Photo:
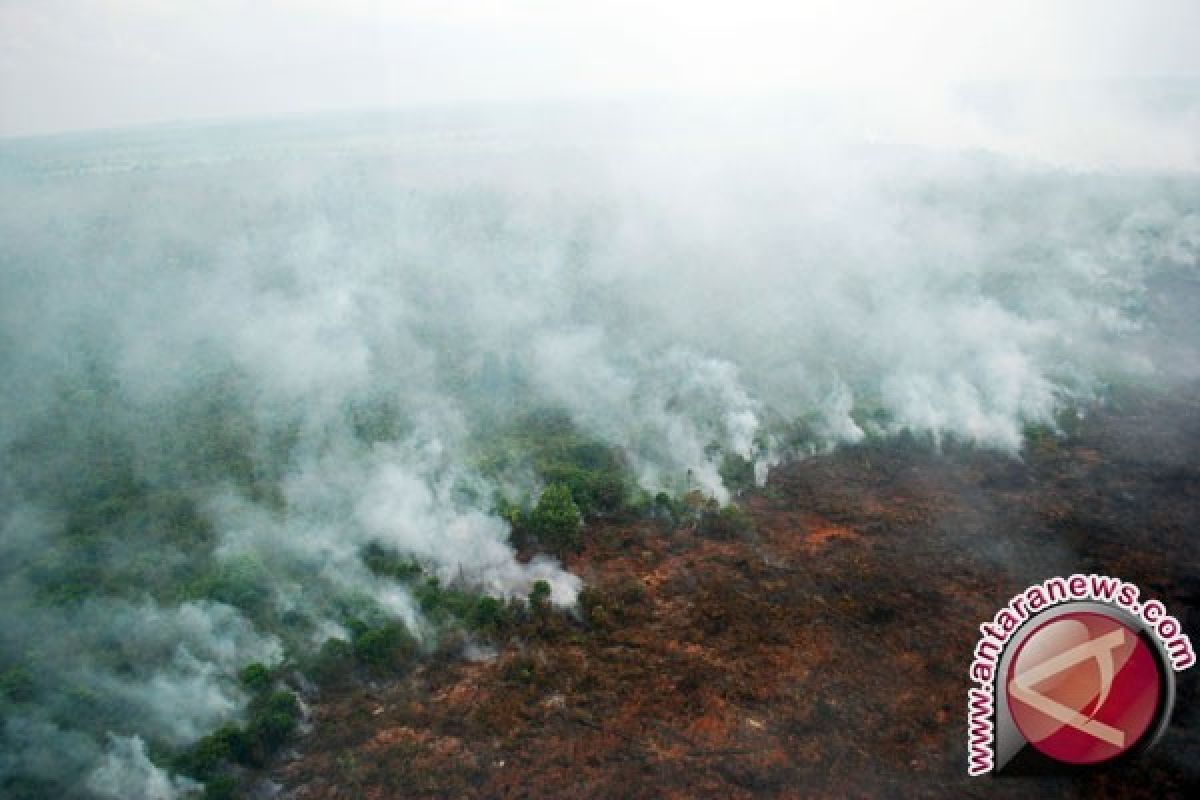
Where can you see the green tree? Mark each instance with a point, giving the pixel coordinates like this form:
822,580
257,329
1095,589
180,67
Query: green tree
255,677
539,595
556,520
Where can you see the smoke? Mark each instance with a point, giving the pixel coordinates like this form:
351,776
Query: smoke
125,771
235,356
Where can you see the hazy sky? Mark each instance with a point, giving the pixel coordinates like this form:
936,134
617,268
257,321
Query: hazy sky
67,64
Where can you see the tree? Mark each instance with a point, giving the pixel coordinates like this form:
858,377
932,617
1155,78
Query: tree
255,677
539,596
556,520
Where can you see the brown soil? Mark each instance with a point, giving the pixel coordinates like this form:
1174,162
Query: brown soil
823,652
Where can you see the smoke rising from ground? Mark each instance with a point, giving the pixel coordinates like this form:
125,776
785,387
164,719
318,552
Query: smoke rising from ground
281,342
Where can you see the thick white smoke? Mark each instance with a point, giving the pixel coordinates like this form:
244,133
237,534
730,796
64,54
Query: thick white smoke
125,772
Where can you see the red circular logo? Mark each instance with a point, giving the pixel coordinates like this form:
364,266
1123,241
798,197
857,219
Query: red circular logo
1084,688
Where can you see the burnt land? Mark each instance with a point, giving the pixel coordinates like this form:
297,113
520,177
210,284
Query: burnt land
816,646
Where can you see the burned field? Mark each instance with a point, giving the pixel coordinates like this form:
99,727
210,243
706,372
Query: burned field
815,645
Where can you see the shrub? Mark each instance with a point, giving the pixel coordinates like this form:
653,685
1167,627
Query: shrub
522,670
271,730
487,615
283,702
556,520
594,490
431,597
273,719
255,677
385,646
630,592
242,582
595,607
727,523
388,564
539,595
223,787
547,441
333,661
737,472
208,755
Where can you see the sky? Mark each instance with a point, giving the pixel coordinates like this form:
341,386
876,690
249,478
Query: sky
80,64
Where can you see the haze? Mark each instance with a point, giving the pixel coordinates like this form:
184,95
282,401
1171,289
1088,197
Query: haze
79,64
